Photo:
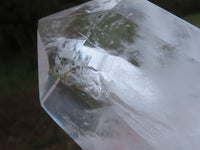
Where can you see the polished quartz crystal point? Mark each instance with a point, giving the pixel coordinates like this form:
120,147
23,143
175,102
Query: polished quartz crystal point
121,75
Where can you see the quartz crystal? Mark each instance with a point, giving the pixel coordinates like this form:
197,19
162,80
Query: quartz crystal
121,75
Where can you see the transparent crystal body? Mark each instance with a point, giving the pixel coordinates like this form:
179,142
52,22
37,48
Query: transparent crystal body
121,75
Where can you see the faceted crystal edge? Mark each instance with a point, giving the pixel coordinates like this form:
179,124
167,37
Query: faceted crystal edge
85,8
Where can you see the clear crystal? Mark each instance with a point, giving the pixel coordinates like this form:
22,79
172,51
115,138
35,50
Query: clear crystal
121,75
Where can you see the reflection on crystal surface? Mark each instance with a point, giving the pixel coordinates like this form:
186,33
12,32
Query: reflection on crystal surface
121,75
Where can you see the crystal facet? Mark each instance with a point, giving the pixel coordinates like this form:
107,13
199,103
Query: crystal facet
121,75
